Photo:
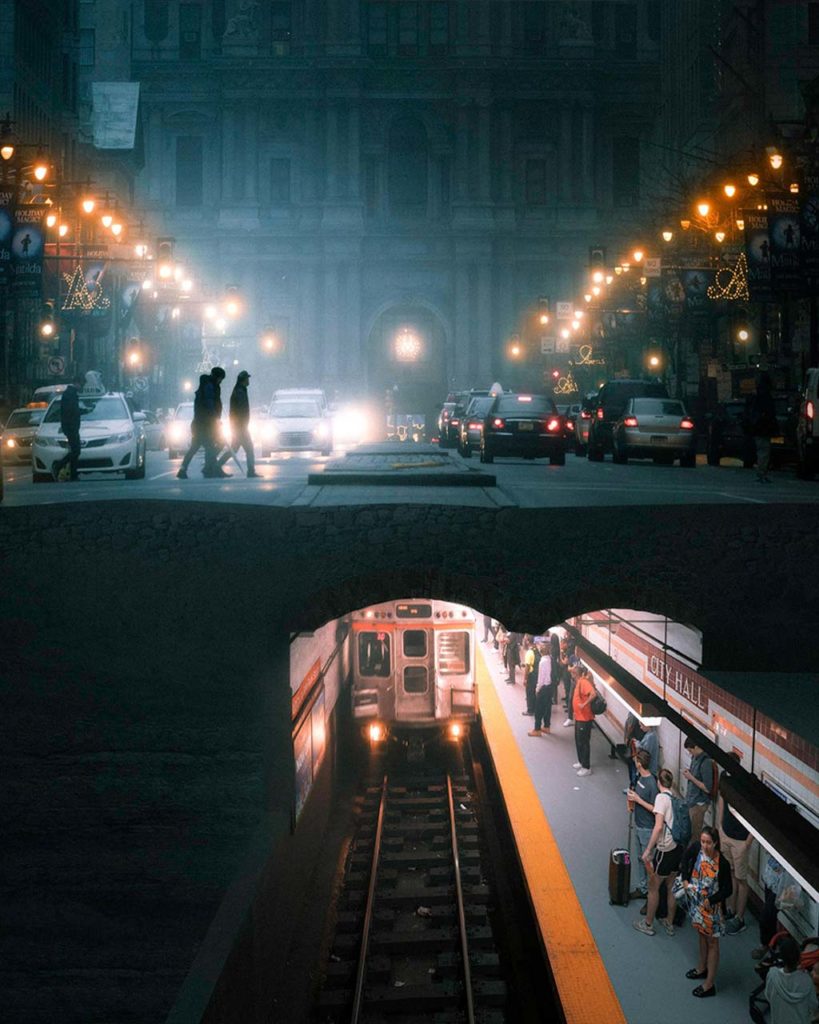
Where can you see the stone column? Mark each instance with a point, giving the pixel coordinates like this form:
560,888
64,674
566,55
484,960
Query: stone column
462,175
485,339
484,162
461,369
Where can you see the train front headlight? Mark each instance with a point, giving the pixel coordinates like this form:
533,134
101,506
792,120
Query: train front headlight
455,731
376,732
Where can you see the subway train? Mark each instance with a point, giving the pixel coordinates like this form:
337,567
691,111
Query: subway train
413,672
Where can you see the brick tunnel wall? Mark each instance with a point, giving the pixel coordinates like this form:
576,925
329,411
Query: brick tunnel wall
146,701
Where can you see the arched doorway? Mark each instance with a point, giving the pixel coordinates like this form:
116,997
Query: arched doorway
406,367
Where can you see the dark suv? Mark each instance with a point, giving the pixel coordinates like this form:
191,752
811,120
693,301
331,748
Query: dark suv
729,433
609,406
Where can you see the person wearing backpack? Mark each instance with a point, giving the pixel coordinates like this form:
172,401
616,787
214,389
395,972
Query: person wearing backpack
700,778
706,879
661,857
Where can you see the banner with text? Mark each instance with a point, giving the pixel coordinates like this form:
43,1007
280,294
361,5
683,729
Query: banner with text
809,226
783,232
27,245
758,254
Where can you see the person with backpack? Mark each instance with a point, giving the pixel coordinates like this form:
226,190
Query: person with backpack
641,796
700,777
706,881
662,856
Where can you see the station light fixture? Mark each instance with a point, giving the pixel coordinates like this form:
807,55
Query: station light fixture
51,220
598,276
743,334
116,229
720,236
637,255
794,187
740,223
40,168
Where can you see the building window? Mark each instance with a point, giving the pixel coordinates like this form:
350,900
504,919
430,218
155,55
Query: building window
408,167
408,29
189,176
813,24
377,29
156,20
281,27
625,171
534,26
190,31
537,182
625,29
86,51
280,181
438,27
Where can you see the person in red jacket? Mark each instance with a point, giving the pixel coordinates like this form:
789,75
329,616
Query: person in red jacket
583,720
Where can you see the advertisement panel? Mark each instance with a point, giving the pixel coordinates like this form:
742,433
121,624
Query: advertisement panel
809,226
783,232
758,254
27,245
6,232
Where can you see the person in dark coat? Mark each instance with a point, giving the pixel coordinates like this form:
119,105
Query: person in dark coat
512,657
207,411
239,425
763,424
70,416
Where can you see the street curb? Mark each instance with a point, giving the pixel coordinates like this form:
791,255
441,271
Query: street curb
396,479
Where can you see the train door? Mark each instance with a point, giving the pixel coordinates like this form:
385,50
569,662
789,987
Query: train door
415,679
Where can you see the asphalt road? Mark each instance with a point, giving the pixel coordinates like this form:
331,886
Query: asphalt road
519,483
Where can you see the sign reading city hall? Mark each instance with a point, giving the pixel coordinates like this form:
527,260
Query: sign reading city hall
672,673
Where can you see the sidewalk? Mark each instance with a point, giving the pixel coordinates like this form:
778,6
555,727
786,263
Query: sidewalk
588,817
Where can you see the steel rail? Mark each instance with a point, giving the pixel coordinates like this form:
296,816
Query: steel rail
361,969
459,894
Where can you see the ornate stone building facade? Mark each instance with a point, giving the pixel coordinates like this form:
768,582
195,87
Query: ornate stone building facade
366,171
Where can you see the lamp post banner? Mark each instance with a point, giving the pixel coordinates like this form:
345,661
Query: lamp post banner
27,245
783,229
6,232
758,254
809,225
696,281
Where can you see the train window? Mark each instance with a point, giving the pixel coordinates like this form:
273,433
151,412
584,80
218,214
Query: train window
415,643
374,654
415,679
453,653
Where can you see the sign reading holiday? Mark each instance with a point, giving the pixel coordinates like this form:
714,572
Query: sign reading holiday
27,242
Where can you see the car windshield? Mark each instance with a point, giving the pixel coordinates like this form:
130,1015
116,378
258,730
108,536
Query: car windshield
92,410
658,407
294,410
480,406
616,397
524,405
25,418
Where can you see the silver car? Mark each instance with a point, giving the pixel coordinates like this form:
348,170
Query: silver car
655,428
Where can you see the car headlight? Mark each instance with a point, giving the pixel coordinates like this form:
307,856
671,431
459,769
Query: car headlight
321,431
120,438
10,442
270,431
176,432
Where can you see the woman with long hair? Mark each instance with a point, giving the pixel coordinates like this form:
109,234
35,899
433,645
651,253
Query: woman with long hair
706,879
661,857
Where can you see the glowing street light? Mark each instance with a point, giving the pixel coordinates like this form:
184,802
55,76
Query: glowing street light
40,169
62,230
88,204
116,230
587,297
776,160
743,334
668,235
703,208
729,190
753,179
107,219
638,255
720,236
51,220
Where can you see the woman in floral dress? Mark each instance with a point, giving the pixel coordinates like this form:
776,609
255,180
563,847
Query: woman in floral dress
706,881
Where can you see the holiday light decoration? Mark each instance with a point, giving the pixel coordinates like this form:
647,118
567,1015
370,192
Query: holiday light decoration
80,298
735,288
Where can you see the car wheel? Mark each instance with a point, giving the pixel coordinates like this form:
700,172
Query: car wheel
619,454
41,478
558,459
443,443
805,470
688,461
486,455
580,450
594,454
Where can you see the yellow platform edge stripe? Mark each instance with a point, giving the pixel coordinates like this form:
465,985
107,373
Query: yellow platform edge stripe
582,981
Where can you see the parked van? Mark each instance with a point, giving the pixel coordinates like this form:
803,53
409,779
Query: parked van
807,427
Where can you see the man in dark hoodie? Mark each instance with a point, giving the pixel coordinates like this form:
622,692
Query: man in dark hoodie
207,410
70,426
239,425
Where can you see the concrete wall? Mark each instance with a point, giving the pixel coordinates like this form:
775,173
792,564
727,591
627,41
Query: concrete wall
145,745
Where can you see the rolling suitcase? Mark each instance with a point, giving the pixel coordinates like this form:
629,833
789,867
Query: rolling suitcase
619,877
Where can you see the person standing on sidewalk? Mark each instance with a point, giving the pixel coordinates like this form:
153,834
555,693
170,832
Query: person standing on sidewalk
584,691
543,694
762,416
643,795
661,856
239,425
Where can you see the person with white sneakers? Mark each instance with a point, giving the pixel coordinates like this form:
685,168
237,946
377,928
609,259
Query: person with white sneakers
584,691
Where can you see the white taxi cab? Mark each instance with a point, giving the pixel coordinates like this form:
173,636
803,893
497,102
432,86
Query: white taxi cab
111,438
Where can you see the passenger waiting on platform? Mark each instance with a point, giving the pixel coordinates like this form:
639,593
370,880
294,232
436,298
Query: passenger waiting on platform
584,691
543,694
531,665
557,667
512,657
642,796
574,671
788,989
633,732
735,843
773,876
700,778
706,881
487,628
651,744
661,857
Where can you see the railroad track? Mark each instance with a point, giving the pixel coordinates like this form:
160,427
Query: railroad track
414,939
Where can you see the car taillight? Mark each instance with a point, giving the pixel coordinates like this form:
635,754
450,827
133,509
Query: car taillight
455,422
474,426
569,425
499,423
553,424
630,421
809,411
600,413
444,415
686,424
585,414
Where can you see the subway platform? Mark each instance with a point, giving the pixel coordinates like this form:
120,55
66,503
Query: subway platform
564,828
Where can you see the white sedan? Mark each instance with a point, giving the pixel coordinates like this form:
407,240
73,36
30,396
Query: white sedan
111,438
297,426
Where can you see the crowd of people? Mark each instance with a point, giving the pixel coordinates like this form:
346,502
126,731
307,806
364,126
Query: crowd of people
206,425
686,868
